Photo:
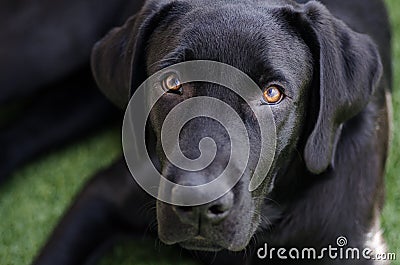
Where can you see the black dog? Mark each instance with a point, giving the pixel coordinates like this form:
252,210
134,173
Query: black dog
331,115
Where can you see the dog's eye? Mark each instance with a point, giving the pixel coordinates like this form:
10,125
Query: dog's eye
171,83
272,95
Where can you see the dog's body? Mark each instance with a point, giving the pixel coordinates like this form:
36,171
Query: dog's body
327,177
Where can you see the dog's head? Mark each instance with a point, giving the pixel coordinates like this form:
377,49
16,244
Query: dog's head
312,70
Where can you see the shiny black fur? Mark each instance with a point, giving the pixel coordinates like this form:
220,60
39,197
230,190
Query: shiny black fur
327,176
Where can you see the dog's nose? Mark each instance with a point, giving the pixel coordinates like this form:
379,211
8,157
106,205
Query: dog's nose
213,212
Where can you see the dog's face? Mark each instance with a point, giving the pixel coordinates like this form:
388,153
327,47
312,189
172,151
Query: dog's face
281,48
258,45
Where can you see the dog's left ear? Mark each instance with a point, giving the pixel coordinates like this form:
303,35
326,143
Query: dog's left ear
348,69
119,60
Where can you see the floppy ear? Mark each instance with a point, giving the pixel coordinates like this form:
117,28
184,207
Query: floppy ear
348,69
119,60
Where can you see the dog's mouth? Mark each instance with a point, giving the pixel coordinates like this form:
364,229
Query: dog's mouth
200,243
223,224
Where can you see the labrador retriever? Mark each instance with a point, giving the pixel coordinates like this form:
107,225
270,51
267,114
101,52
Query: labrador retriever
324,70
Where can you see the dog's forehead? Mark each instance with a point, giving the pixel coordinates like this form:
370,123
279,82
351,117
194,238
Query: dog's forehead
255,34
248,35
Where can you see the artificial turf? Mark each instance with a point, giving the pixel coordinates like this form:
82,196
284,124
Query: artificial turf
391,213
38,194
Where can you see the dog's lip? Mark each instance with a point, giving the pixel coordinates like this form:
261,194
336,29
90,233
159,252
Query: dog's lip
200,243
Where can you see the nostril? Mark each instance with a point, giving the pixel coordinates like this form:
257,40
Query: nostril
217,212
211,213
217,209
187,214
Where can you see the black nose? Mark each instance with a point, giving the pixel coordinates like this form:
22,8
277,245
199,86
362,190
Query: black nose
213,212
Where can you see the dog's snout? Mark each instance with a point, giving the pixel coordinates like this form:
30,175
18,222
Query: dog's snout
212,213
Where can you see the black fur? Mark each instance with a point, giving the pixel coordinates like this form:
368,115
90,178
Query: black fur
48,96
327,177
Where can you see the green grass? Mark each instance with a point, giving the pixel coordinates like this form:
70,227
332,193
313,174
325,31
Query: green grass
391,213
37,195
33,201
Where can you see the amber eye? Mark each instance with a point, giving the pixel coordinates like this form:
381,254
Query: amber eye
171,83
272,95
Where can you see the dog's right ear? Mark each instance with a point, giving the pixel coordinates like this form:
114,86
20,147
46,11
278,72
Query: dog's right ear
118,60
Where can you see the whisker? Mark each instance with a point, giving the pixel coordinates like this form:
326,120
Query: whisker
272,200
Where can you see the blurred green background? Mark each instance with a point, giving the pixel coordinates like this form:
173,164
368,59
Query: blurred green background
36,197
